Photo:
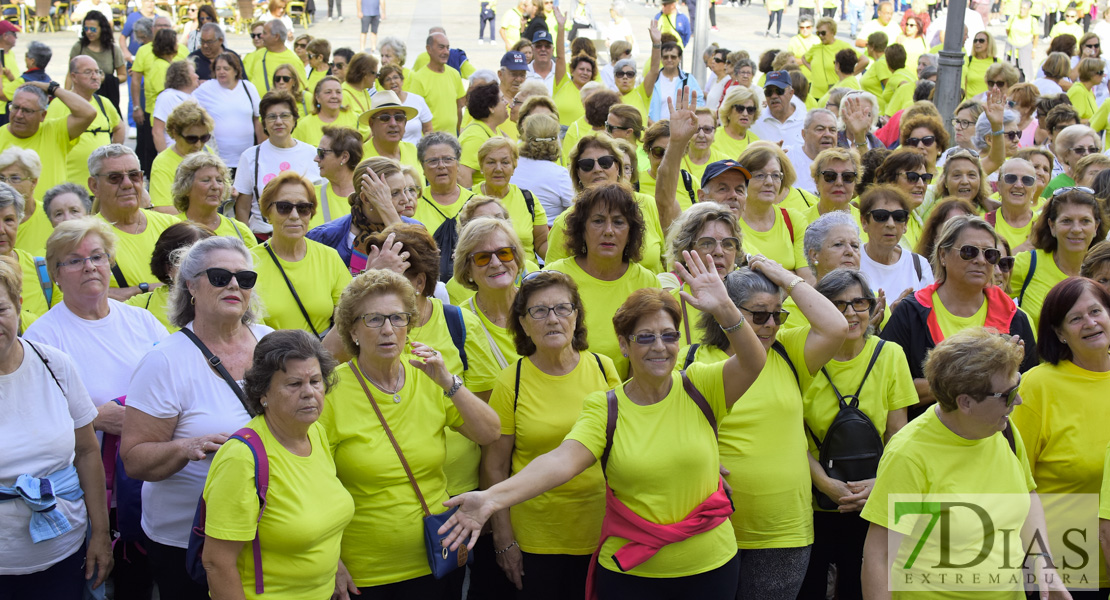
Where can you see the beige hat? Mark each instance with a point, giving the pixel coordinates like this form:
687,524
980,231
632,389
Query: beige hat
385,100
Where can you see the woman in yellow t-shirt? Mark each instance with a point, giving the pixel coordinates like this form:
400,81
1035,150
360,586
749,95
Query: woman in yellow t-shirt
877,373
776,232
701,152
656,140
443,198
905,168
488,260
663,461
286,78
191,127
1091,74
490,109
200,188
538,400
181,235
1068,226
1017,189
338,153
763,440
417,396
963,178
497,158
738,112
581,70
301,526
983,55
477,207
327,109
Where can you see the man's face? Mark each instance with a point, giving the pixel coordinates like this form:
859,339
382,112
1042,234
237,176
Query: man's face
729,188
7,41
541,52
439,50
26,114
269,39
388,125
778,100
126,194
161,23
339,67
210,44
670,60
820,135
87,75
805,29
510,81
886,13
922,64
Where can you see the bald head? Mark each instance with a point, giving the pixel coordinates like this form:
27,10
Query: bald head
439,50
162,22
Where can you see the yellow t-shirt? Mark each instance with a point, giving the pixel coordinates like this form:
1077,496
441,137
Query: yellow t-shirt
162,173
408,154
637,98
685,196
306,512
319,278
1016,236
422,61
77,159
653,235
975,73
822,61
337,206
260,72
310,128
33,233
358,101
1083,101
34,297
133,250
432,214
523,221
1044,278
157,302
568,100
779,243
441,91
233,229
500,338
384,542
730,147
601,299
51,142
154,79
471,139
663,463
950,324
566,519
874,77
314,77
1104,492
814,213
900,82
574,132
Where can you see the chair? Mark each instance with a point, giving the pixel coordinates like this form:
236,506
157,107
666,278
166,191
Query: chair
297,11
41,16
61,11
10,12
119,16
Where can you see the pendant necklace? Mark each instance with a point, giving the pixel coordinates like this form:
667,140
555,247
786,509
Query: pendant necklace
396,393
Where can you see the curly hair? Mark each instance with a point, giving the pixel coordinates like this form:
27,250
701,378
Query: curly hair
179,75
188,114
583,58
540,138
683,232
642,303
186,176
931,123
422,249
381,166
482,100
610,196
372,282
104,30
164,45
538,282
273,352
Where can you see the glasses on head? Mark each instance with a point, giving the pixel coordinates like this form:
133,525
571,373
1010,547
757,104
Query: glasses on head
275,117
587,164
926,141
859,305
647,339
610,128
914,177
772,91
377,321
657,151
880,215
222,278
75,264
1013,136
1074,188
991,255
1012,178
256,36
116,178
1006,264
996,84
744,108
197,139
1085,150
286,208
624,74
962,123
759,317
384,118
483,258
445,161
283,78
12,179
322,153
775,177
843,176
540,312
1009,396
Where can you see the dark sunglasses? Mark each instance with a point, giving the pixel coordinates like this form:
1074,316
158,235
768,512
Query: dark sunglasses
256,36
1009,396
1091,45
1085,150
658,151
1006,264
322,153
136,177
845,176
300,46
928,140
222,277
744,109
282,78
611,128
647,339
195,139
624,74
505,255
858,304
991,255
1012,178
914,177
772,91
980,40
338,65
587,164
759,317
1013,136
996,84
303,208
880,215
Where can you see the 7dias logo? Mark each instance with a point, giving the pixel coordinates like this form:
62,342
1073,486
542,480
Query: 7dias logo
992,542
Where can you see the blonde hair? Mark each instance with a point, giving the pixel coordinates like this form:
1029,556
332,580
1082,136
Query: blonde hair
188,114
964,362
186,176
540,138
736,96
373,282
476,232
494,144
11,279
69,234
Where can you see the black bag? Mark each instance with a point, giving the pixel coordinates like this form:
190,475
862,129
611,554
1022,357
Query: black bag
852,446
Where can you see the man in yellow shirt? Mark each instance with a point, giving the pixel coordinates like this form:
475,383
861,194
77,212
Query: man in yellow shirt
274,53
512,23
440,86
105,129
386,120
8,66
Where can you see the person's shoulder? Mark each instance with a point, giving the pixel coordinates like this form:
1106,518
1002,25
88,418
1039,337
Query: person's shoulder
137,315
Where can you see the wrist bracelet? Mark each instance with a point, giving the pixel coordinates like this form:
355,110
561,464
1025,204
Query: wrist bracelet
738,325
507,548
999,132
790,286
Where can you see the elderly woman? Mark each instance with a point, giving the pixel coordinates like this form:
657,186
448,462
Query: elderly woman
1054,70
700,153
55,443
180,408
300,280
1089,167
877,373
285,79
927,135
191,128
739,111
417,399
964,296
444,197
1025,97
836,171
66,201
477,207
963,178
181,82
20,168
692,401
581,69
1096,265
490,109
538,403
967,115
318,54
1071,222
1017,186
498,160
941,214
200,188
1043,161
162,265
1071,145
656,140
285,387
994,147
34,303
905,168
394,53
392,77
888,266
234,100
538,169
361,73
771,230
625,123
1091,75
338,152
327,110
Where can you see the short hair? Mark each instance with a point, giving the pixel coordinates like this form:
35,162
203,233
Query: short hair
983,127
826,156
274,98
393,43
177,75
1091,160
384,72
437,138
924,90
175,237
880,193
767,59
98,156
533,102
422,249
744,62
215,28
926,244
799,83
361,67
273,352
1098,255
951,232
613,195
277,28
667,46
144,28
982,194
188,114
582,58
846,60
783,61
1088,68
69,234
469,211
964,362
1071,135
321,47
628,151
25,158
929,122
39,53
741,285
66,188
346,53
497,143
232,61
540,138
819,230
877,42
1060,114
475,233
193,263
1056,66
39,95
1065,43
11,278
186,176
1041,235
866,96
895,56
814,113
537,282
642,303
290,177
593,140
758,155
372,282
683,232
620,64
345,139
1059,301
629,117
658,129
898,161
164,45
597,106
826,22
10,197
1025,95
618,49
1029,153
482,99
1005,70
869,164
835,282
521,44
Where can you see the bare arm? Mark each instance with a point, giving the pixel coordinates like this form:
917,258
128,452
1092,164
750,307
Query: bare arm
652,74
466,176
81,113
158,131
137,96
876,563
151,454
539,239
1104,539
829,327
219,560
123,46
90,472
243,207
426,128
994,109
924,392
496,463
895,421
1034,535
684,124
119,134
560,45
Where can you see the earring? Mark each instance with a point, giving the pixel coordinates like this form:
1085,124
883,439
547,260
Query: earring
264,405
356,342
192,300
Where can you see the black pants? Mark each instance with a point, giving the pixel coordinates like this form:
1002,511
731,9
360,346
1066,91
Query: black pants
806,12
771,19
487,580
837,539
410,589
144,146
828,12
131,575
63,581
713,14
554,577
718,584
338,4
490,17
167,565
1050,18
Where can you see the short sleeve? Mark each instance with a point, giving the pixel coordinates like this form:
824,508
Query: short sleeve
900,391
502,398
460,91
482,368
150,391
229,494
423,113
898,474
540,218
1104,495
589,429
709,380
81,407
244,174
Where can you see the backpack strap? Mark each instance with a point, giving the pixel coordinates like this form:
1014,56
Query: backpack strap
530,202
688,181
46,364
100,102
254,134
871,365
916,264
789,223
292,290
778,347
261,485
494,348
690,354
1028,276
44,280
457,328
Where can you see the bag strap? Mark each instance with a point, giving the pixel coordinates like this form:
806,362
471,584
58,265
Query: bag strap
1008,433
253,441
324,202
778,347
215,362
916,258
685,318
530,201
389,433
690,354
44,280
257,152
292,290
855,398
700,400
46,364
1029,275
789,223
497,354
516,387
688,181
98,130
121,281
254,134
457,328
871,365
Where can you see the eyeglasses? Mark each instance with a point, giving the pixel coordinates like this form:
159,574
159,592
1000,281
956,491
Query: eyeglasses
384,118
1080,150
116,178
256,36
772,91
624,74
1091,46
822,32
844,176
12,179
1012,178
927,141
445,161
540,312
658,151
610,128
1006,264
882,216
858,304
1009,396
222,278
322,153
407,191
1073,188
286,208
15,108
76,264
504,255
970,253
377,321
996,84
759,317
647,339
962,123
914,177
709,244
197,139
980,40
273,118
744,109
1013,136
91,72
283,78
706,130
775,177
587,164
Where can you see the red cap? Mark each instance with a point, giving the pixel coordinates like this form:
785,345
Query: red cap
7,26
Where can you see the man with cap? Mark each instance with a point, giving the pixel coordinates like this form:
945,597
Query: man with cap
783,120
8,65
818,133
386,119
542,67
513,72
673,22
440,86
725,182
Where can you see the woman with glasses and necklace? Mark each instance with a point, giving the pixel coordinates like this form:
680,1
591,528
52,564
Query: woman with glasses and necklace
890,268
191,128
983,55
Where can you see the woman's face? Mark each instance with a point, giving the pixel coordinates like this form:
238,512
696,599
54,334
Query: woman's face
1012,134
329,161
718,65
279,121
296,393
208,188
763,302
1084,146
596,175
1043,168
20,179
1086,327
625,79
962,179
1071,16
92,30
192,139
658,358
977,272
283,80
607,232
256,36
225,74
717,246
501,111
441,166
911,28
526,50
916,188
1091,48
412,188
655,153
380,344
497,167
857,320
840,250
885,234
65,207
743,114
330,96
840,190
9,224
964,135
583,73
394,82
551,332
402,193
388,56
1101,274
495,274
1002,275
339,67
85,279
294,223
229,302
707,133
744,76
766,182
929,148
1074,227
626,168
203,19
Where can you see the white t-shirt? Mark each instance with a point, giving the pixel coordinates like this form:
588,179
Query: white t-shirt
233,115
894,279
548,80
801,163
37,429
668,87
105,351
414,127
272,161
174,381
769,129
717,92
548,181
168,99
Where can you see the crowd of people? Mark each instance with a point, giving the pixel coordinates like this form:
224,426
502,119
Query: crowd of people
612,318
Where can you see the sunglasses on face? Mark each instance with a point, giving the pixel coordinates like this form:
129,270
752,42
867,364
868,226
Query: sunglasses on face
860,305
709,244
540,312
980,40
1085,150
136,177
744,109
882,216
914,177
926,141
610,128
505,255
658,151
1012,178
647,339
1009,396
1091,46
970,253
283,78
996,84
1013,136
221,278
759,317
386,118
1006,264
625,74
256,36
844,176
772,91
286,208
322,153
193,140
587,164
300,46
338,65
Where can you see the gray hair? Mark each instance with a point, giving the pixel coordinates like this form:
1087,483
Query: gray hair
10,197
271,355
98,156
144,28
191,263
619,6
813,114
436,138
745,62
683,232
40,54
483,76
836,281
819,230
39,95
625,62
66,188
277,28
399,47
866,96
162,18
931,59
219,31
177,75
928,71
26,158
741,285
983,127
73,61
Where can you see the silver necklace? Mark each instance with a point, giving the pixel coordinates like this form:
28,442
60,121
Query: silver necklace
396,393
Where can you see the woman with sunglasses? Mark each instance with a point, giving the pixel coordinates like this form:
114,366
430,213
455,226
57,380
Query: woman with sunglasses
739,111
338,153
98,42
905,168
836,171
1071,222
656,140
941,213
300,280
1071,145
181,81
191,127
327,110
891,269
983,55
180,409
1096,266
476,208
1069,26
200,187
234,101
1013,220
285,78
927,135
771,230
964,296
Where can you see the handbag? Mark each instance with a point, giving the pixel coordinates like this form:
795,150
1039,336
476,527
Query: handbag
441,559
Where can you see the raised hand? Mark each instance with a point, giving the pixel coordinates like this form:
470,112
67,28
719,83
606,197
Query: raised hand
770,269
390,256
683,121
709,293
995,108
560,17
374,191
430,362
654,32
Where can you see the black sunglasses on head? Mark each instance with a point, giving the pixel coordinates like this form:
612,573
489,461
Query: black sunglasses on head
222,278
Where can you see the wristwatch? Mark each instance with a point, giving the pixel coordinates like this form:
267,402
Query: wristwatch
144,287
454,387
51,88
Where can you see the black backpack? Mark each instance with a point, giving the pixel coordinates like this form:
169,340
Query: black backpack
852,446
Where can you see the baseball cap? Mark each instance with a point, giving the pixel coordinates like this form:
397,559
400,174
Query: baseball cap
779,79
8,27
542,36
713,170
514,61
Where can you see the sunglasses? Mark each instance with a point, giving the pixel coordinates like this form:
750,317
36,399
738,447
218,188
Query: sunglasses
256,36
1092,46
387,117
772,91
1012,178
759,317
658,151
587,164
996,84
300,46
744,109
197,139
858,304
1065,190
928,141
709,244
377,321
286,208
1009,396
991,255
338,65
505,255
283,78
611,128
624,74
914,177
647,339
322,153
136,177
980,40
221,278
1085,150
845,176
1013,136
882,216
1006,264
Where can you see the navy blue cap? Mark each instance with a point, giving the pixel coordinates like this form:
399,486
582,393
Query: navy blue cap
713,170
514,61
542,36
779,79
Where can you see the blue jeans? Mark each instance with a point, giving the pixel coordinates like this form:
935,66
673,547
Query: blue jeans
857,13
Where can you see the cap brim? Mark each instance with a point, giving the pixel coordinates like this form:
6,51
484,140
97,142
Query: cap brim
364,118
747,174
